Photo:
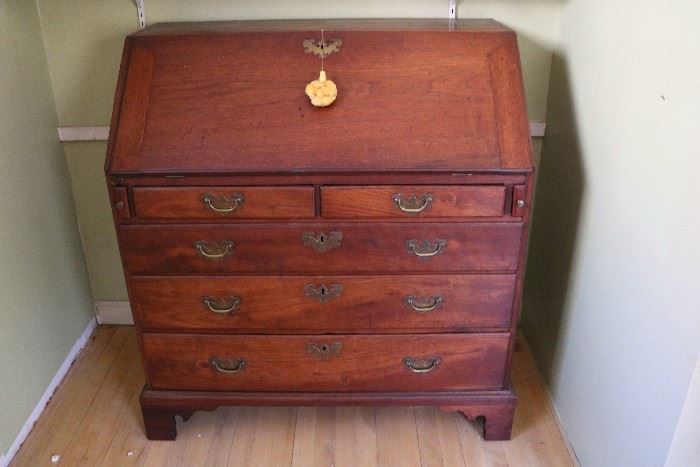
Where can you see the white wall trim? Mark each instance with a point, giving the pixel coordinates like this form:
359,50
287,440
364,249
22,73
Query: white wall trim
53,385
101,133
83,133
113,313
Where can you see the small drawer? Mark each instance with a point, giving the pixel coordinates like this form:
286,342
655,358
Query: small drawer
321,248
224,202
338,304
326,363
412,201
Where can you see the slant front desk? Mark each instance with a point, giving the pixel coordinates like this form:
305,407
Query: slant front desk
352,237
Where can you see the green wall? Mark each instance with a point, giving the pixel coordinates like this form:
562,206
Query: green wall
45,302
84,41
611,306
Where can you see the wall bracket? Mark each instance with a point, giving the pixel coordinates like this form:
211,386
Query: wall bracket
140,9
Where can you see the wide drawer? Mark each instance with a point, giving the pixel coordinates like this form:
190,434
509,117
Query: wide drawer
325,363
412,201
339,304
324,248
224,202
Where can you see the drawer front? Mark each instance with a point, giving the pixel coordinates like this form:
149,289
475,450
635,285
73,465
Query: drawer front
325,363
412,201
324,248
339,304
224,202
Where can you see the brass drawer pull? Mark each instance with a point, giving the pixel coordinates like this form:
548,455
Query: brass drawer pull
412,205
426,249
418,365
423,304
226,365
322,242
214,251
324,351
222,306
223,204
323,293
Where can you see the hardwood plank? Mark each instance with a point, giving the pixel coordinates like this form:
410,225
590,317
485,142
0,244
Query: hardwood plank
397,439
68,407
314,440
355,437
537,437
91,438
438,439
274,436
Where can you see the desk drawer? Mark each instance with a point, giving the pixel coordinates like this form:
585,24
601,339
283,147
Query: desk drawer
338,304
325,363
412,201
323,248
224,202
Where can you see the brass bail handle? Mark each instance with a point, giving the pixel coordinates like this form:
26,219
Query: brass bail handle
227,365
223,204
418,365
222,306
427,248
424,305
413,205
214,251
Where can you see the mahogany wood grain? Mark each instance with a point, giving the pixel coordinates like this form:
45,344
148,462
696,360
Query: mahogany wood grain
279,304
258,202
357,363
363,248
378,201
205,109
129,134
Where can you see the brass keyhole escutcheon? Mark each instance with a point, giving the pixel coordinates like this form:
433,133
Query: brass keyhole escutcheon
324,351
322,292
322,242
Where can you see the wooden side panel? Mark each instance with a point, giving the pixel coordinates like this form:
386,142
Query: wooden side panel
170,249
356,303
352,363
515,145
132,118
251,203
428,201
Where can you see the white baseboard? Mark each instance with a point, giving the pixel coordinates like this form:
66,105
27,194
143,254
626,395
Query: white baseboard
113,313
41,405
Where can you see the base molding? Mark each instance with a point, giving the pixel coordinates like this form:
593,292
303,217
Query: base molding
48,393
160,407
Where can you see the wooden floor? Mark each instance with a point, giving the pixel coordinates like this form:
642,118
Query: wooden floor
94,419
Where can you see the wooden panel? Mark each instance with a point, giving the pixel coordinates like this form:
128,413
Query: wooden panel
132,118
468,361
120,204
365,303
509,97
520,200
208,108
257,203
432,201
364,248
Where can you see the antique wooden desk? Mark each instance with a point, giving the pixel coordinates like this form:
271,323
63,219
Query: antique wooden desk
369,252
